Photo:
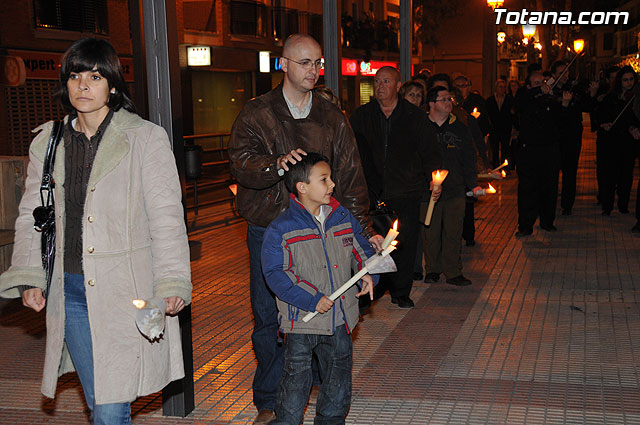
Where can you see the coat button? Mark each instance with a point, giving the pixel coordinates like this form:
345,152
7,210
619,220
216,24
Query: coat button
91,219
93,189
91,282
90,250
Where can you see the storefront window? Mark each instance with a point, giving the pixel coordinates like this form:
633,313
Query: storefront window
218,98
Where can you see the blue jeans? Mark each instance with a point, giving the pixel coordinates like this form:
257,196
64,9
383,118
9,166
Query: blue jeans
335,356
78,339
268,348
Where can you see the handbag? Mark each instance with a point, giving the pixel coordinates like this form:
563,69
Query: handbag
44,215
383,217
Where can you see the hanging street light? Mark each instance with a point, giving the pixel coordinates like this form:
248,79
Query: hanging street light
493,4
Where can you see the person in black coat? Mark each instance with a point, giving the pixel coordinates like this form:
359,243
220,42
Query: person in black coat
500,108
621,125
397,158
538,159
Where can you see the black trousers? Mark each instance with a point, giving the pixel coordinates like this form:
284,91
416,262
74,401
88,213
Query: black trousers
469,225
570,149
538,170
399,283
500,148
616,174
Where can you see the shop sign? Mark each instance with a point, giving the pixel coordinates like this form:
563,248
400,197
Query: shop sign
13,72
46,66
370,68
264,59
198,56
350,67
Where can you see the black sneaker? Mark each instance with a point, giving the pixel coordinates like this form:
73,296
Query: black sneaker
550,228
459,281
432,277
523,233
402,302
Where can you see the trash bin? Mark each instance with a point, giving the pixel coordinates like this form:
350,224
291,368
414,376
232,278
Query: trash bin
193,161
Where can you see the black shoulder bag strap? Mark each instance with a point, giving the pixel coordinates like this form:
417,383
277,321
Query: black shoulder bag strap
44,215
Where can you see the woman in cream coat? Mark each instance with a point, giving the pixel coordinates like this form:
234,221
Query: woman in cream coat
131,241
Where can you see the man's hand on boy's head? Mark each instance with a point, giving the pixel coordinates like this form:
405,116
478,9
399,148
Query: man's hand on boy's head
324,304
292,157
376,242
367,286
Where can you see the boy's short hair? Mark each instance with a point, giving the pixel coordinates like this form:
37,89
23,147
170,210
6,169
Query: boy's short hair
300,171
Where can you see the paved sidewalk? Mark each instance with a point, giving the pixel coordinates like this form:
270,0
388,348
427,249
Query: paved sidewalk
549,332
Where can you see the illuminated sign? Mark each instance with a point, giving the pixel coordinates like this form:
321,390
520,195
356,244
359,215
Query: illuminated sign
199,56
350,67
263,61
370,68
46,65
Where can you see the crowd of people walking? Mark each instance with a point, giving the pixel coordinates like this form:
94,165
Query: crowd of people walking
310,180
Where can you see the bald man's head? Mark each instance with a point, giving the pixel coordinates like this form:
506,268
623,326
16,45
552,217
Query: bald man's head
294,41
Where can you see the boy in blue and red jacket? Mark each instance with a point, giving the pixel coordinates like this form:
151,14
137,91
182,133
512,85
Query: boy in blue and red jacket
308,252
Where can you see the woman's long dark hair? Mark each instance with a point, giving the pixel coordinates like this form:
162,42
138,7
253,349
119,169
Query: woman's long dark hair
92,53
624,70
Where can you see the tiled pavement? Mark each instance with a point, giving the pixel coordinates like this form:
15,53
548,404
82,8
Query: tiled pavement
548,333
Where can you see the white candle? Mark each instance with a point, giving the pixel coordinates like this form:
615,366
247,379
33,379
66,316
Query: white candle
349,283
437,177
481,192
504,164
392,234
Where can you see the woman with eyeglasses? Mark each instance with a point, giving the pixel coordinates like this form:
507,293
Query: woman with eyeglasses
120,237
620,121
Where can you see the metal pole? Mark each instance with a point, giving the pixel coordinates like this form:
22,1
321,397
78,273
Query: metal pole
331,53
405,39
165,109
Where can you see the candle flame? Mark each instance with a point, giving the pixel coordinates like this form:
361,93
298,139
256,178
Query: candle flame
139,303
475,109
394,243
506,162
395,225
503,173
491,189
437,174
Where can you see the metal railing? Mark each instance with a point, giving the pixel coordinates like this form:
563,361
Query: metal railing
216,176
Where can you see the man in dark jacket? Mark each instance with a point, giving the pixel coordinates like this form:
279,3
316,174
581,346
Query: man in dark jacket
538,161
270,132
501,108
442,237
397,158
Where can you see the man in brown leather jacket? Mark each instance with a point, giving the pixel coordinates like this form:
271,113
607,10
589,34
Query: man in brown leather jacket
272,131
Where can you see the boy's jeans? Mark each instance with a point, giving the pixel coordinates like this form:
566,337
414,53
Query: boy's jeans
334,354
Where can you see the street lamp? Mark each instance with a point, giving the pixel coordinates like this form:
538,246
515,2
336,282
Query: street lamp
493,4
578,45
502,36
528,31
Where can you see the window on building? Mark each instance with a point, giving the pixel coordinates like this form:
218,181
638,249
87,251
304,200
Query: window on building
72,15
315,26
285,22
199,15
607,42
248,18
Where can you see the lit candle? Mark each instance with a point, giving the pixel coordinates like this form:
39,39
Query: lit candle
391,235
437,177
504,164
503,174
475,114
481,192
356,277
